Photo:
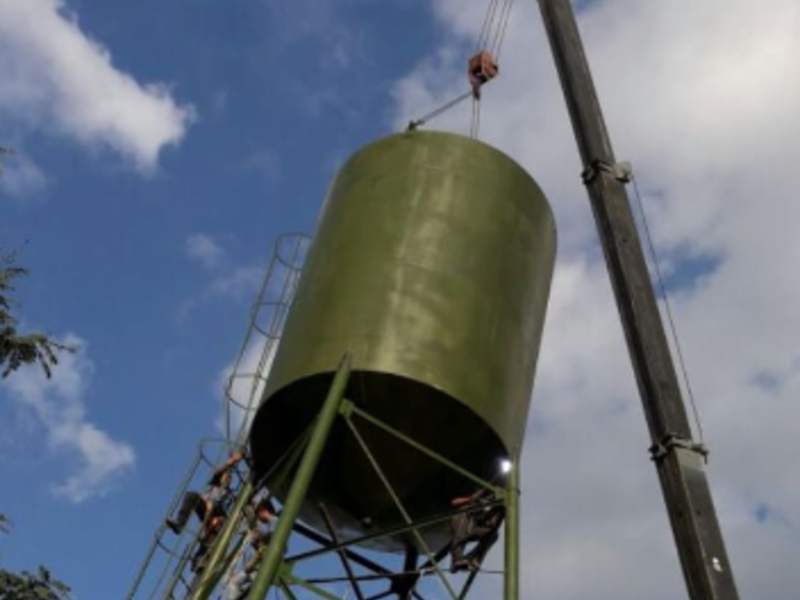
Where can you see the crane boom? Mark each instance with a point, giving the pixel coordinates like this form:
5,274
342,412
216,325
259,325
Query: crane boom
678,459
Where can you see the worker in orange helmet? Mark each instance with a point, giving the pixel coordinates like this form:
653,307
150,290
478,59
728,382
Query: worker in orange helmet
479,526
210,506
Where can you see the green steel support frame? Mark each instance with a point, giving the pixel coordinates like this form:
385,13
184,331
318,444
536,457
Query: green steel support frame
273,557
201,586
511,581
218,559
276,569
184,558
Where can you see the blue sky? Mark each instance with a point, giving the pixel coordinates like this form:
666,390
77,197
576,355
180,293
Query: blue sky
154,265
163,146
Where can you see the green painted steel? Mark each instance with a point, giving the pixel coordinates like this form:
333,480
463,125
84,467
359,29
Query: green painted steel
511,569
216,563
273,557
431,266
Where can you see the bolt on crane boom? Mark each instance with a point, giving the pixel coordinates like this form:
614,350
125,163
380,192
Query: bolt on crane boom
678,460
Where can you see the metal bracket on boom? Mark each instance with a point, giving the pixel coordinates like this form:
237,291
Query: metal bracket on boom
621,171
671,441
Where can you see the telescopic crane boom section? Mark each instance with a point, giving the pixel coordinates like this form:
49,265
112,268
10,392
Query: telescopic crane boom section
678,460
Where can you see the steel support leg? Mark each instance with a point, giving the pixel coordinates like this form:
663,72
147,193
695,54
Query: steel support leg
273,556
217,560
399,505
511,577
326,516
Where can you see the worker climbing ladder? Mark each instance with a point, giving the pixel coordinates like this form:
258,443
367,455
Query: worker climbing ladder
166,573
169,571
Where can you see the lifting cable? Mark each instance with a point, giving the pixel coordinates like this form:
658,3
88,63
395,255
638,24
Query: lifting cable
489,44
436,112
662,290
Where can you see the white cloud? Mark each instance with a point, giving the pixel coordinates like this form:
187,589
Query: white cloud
230,282
224,280
266,161
704,97
21,177
322,22
243,383
219,102
58,405
203,248
59,80
239,282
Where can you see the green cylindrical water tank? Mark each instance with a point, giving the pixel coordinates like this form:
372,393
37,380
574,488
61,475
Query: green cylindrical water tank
431,266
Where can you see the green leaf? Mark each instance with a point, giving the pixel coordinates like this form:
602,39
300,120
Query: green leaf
17,350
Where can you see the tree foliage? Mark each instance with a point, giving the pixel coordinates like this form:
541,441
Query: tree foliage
29,586
18,349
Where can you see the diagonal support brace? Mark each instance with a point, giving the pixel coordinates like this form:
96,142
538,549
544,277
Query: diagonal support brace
273,557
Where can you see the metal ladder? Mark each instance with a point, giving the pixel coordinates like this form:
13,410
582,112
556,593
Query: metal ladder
165,573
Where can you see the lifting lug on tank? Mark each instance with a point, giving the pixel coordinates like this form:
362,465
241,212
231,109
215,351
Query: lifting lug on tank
481,69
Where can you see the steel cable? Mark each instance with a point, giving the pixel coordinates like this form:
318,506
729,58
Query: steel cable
667,308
